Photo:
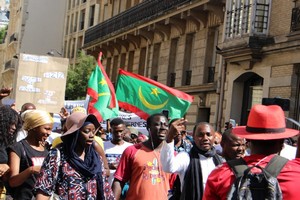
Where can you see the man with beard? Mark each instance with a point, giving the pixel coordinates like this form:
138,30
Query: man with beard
114,148
193,168
140,165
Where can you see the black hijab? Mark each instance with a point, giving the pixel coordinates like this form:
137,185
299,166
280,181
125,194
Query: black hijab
91,167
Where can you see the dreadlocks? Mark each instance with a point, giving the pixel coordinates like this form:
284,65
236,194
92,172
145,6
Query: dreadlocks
8,117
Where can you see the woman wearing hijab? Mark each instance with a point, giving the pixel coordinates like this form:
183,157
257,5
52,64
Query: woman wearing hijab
27,156
73,170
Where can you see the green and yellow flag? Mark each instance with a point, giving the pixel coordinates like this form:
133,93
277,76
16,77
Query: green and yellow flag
144,96
103,103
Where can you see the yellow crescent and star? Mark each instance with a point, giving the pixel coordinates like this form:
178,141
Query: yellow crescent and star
155,92
102,83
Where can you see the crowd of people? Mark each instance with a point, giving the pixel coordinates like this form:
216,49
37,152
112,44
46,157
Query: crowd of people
85,161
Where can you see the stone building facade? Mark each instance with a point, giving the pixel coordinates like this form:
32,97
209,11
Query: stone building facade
173,42
228,54
261,56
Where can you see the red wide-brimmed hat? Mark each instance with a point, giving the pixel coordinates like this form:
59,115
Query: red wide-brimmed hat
265,123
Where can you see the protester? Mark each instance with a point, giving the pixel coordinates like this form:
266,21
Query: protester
64,114
233,147
217,144
26,106
78,173
140,164
134,133
229,125
193,168
115,148
181,143
102,134
108,130
10,124
265,131
131,135
218,138
127,136
26,156
99,146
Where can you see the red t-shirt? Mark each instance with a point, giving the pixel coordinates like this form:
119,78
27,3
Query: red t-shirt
220,180
141,167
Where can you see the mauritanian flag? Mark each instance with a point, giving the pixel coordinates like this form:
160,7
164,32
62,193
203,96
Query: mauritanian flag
103,103
144,96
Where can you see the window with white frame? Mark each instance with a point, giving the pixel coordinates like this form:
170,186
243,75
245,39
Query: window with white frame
247,17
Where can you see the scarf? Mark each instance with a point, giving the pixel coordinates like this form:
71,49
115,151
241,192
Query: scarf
193,183
91,167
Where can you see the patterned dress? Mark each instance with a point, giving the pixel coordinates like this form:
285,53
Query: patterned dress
58,176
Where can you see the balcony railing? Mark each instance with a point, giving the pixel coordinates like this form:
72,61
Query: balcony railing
247,19
295,22
138,14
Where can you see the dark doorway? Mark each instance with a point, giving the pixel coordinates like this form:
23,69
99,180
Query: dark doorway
247,91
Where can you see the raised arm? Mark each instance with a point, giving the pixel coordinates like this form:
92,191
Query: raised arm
170,162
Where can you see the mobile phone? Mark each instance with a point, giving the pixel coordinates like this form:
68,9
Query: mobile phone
165,113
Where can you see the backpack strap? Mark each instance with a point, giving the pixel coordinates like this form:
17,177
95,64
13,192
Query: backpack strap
275,165
238,166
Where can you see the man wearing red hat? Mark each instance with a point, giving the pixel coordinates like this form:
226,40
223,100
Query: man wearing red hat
265,131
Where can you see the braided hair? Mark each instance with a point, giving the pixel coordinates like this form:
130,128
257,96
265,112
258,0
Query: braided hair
8,117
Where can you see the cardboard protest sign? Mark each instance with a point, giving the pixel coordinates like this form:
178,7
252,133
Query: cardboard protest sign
41,80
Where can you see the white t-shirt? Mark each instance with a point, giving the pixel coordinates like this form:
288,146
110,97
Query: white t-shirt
113,154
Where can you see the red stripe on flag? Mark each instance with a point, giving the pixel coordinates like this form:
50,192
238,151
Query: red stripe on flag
92,93
94,111
109,83
134,109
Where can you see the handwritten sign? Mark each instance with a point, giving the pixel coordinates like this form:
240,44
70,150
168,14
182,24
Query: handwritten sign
41,80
